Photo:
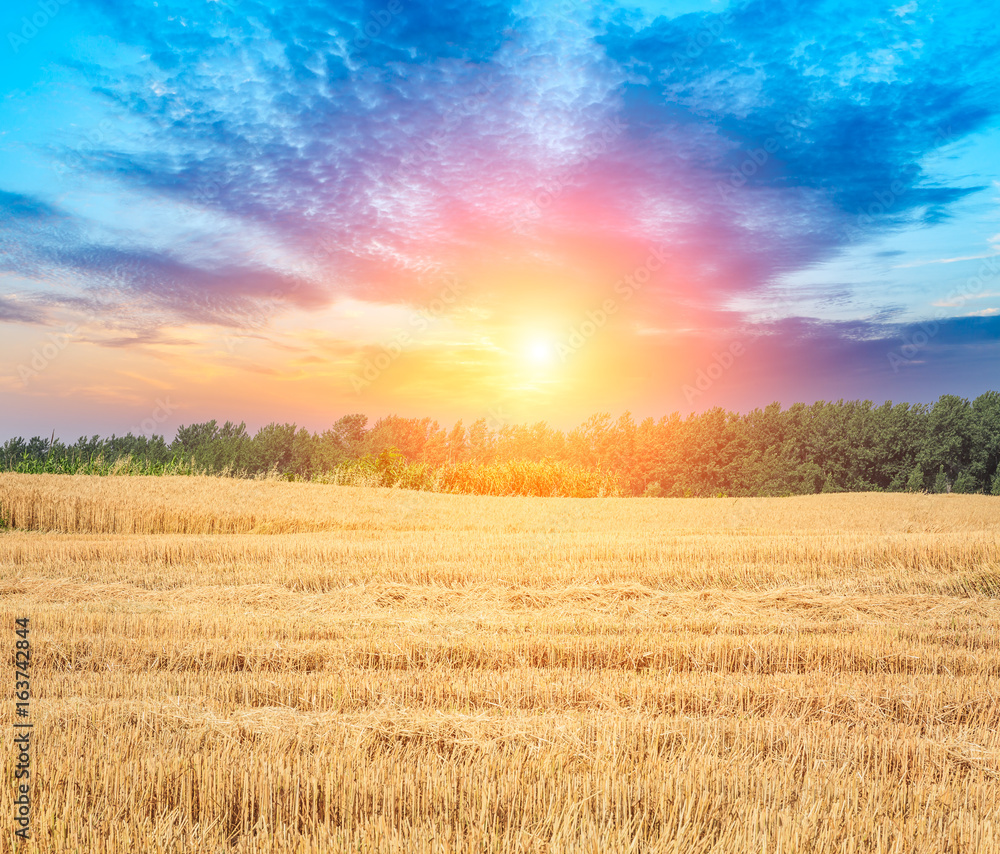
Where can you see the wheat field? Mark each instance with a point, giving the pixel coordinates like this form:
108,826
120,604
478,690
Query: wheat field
233,666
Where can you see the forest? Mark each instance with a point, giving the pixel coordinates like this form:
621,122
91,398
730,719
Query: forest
952,445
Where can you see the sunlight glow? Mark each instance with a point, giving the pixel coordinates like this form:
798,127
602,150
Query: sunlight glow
541,352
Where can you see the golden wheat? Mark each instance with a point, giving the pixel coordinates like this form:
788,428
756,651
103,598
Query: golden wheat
227,666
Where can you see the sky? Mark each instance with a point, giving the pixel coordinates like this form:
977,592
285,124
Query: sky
518,211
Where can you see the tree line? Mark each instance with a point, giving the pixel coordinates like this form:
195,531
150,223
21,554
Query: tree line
952,445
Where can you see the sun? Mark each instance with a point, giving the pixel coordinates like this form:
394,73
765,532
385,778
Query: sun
540,351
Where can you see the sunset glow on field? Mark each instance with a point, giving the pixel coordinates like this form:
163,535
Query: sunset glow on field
500,426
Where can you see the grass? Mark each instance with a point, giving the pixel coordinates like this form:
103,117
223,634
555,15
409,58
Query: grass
101,466
251,666
546,479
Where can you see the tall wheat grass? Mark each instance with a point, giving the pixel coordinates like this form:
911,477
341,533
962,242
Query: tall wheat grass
227,666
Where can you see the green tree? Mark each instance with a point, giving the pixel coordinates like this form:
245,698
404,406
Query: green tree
986,455
480,442
951,436
458,448
965,483
811,478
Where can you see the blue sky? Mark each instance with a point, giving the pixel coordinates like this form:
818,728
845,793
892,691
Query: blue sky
254,211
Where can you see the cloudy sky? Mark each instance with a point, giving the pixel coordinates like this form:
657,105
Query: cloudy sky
519,211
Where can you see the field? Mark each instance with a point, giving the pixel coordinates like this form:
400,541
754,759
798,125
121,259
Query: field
227,666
